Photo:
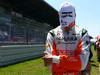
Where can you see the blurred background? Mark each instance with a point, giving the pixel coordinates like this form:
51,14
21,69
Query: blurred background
25,21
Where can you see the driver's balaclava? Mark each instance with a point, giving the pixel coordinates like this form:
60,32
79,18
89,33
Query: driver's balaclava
67,16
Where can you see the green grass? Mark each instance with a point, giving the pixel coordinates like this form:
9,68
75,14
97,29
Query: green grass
32,67
94,64
36,67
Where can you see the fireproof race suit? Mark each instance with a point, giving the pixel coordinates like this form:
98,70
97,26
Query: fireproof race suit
69,50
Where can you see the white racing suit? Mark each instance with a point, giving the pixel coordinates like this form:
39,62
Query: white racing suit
69,50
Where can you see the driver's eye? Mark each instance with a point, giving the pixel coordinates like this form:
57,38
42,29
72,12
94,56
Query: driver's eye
66,14
63,16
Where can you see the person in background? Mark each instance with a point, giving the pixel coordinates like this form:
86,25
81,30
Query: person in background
67,46
98,49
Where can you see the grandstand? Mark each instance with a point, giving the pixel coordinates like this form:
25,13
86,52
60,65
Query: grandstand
23,29
24,25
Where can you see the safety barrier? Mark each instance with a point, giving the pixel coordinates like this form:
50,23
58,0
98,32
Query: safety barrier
17,53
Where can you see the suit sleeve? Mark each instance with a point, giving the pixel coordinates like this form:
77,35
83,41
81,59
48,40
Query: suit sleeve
50,46
85,49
